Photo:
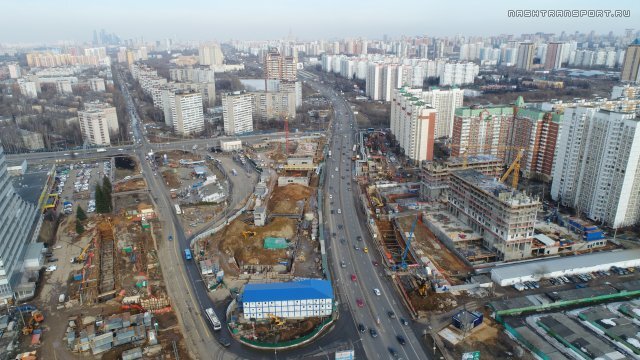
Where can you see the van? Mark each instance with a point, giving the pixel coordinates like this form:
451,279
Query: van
61,298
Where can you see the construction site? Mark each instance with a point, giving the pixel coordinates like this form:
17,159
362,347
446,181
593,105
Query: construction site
106,293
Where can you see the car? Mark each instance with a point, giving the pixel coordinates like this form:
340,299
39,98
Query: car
360,302
376,291
51,260
393,352
401,339
373,332
51,268
404,322
342,241
356,247
343,264
359,238
391,314
361,328
57,247
354,277
366,249
330,196
339,211
170,237
224,341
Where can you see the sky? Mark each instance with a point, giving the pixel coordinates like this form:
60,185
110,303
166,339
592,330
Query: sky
39,21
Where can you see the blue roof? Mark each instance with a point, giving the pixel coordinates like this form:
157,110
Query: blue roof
295,290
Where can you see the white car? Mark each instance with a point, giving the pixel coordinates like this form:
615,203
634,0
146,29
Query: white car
330,196
52,268
339,211
376,291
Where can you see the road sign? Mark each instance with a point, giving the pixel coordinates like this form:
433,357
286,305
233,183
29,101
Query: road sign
345,355
475,355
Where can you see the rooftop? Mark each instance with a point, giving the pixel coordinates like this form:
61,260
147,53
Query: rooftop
494,188
295,290
564,263
30,185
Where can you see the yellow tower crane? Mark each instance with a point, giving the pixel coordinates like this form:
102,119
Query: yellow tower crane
515,169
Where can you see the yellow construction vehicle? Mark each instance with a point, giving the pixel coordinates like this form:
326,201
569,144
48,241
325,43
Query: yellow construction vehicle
276,320
515,169
33,322
377,201
422,288
83,255
247,234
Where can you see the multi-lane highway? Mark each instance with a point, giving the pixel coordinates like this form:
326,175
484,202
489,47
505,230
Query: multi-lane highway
359,275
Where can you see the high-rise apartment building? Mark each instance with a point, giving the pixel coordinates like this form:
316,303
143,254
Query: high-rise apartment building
534,132
17,220
413,123
526,52
237,113
14,71
280,67
211,55
373,84
553,59
391,80
456,74
94,127
270,105
597,165
183,111
631,65
481,130
97,84
109,113
445,102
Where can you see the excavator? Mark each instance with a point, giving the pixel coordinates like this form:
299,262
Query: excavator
33,322
83,255
247,234
276,320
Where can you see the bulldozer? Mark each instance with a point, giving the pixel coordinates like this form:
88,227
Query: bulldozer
247,234
422,288
33,322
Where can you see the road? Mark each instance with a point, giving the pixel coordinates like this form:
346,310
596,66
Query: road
342,199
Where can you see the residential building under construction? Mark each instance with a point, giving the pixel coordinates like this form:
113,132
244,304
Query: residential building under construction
435,175
504,217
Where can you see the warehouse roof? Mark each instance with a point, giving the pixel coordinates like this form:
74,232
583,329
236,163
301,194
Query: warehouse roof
295,290
564,263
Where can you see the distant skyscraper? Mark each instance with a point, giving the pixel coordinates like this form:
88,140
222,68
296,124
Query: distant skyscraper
553,60
631,66
525,56
211,55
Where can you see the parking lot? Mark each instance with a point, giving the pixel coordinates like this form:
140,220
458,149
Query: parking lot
75,184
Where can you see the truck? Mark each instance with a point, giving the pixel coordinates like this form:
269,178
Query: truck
177,208
187,254
101,150
329,153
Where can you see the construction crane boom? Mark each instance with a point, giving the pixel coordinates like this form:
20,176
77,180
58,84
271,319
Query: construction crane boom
403,263
515,169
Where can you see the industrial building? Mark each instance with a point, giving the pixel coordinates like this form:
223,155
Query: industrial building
434,175
296,299
504,217
596,165
563,266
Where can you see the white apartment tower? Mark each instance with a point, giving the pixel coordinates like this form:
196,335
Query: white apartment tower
17,218
211,55
445,102
237,113
597,165
183,111
94,126
413,124
374,81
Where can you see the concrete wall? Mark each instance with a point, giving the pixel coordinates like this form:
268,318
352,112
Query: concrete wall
286,180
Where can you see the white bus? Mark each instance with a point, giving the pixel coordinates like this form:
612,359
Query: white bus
214,319
178,210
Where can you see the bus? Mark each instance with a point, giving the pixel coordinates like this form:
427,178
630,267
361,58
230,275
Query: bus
187,254
214,319
178,210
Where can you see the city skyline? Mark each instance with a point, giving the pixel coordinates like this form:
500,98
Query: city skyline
264,20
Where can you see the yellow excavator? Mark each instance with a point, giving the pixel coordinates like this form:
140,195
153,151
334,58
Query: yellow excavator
247,234
276,320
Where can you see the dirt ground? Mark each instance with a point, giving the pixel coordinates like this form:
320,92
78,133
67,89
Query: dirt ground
284,198
439,302
492,343
177,155
171,179
251,251
134,184
447,262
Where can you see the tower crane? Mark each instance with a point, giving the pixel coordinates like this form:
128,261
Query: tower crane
515,169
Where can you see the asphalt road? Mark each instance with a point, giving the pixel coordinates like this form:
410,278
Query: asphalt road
341,199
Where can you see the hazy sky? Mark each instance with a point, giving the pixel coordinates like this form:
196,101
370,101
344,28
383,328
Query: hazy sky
51,20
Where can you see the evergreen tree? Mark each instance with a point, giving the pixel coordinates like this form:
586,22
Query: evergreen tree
107,189
101,205
79,227
80,214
